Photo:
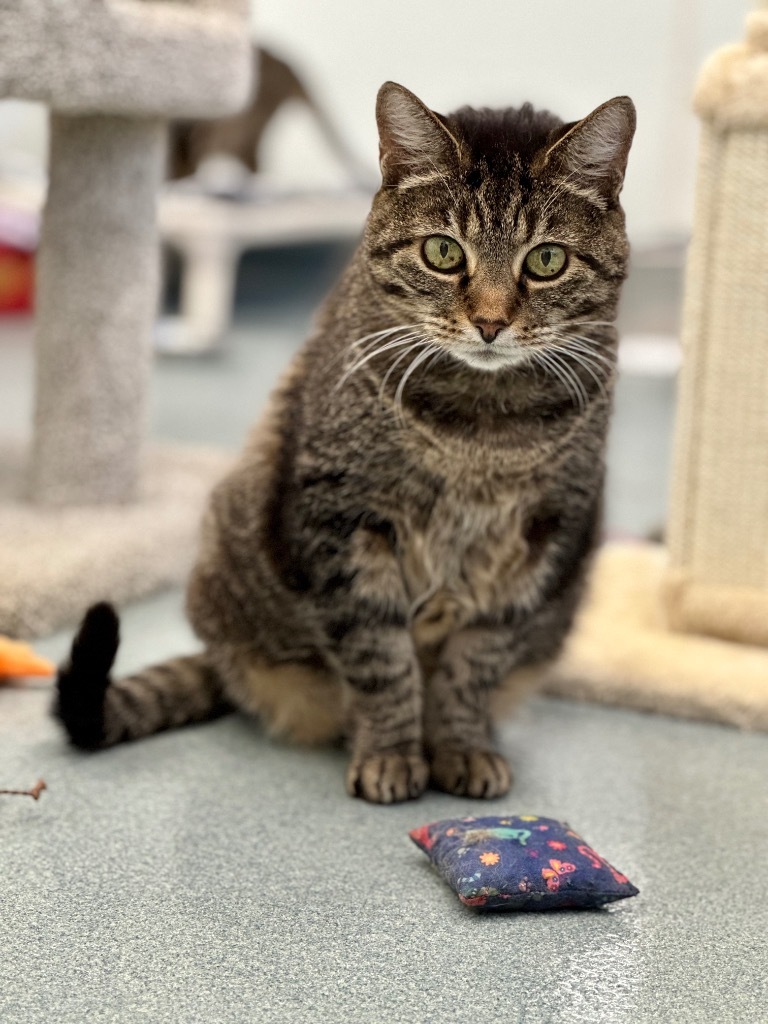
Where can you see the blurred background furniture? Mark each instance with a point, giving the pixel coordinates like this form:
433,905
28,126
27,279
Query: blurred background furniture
211,234
219,203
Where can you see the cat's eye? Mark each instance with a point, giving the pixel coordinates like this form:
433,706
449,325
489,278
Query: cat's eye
443,253
546,261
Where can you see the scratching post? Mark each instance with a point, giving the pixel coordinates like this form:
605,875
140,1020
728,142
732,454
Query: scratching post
717,582
95,309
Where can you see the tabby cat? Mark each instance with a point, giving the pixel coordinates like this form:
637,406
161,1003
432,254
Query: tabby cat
409,526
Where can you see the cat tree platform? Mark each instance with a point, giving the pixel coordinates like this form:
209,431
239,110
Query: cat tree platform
211,234
54,563
623,650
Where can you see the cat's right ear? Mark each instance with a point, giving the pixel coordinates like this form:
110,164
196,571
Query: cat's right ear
594,150
412,139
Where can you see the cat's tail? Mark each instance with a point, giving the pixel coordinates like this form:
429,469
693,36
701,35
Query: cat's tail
98,711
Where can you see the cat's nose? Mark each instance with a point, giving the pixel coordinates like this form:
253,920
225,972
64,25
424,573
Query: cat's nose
489,329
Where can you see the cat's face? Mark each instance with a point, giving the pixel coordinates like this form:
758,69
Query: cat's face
498,234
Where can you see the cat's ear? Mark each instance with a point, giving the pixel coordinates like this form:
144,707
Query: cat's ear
412,139
594,151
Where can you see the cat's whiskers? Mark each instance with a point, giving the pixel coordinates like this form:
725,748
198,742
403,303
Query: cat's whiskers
593,351
422,340
565,327
415,363
579,344
368,356
576,323
385,332
368,340
585,344
561,349
582,360
579,387
600,363
574,388
570,373
437,356
592,347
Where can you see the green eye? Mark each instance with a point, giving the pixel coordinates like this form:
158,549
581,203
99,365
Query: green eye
443,253
546,261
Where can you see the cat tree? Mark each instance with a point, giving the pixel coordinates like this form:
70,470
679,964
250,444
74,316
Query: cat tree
112,72
686,630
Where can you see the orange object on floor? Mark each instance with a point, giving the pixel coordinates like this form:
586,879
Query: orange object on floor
16,280
18,659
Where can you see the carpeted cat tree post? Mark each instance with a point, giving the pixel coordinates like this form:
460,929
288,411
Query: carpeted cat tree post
112,72
717,582
686,630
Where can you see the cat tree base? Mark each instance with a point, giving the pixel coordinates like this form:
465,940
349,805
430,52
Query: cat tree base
623,652
54,563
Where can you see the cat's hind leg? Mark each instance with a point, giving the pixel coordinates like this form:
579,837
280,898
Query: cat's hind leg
298,702
99,711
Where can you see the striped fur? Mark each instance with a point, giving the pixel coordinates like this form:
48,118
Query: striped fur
407,531
98,712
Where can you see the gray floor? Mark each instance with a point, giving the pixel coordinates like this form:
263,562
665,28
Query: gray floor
211,875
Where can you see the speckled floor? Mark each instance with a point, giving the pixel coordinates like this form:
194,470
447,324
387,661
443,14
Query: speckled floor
210,875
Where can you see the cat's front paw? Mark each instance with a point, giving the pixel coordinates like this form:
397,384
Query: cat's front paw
478,773
387,778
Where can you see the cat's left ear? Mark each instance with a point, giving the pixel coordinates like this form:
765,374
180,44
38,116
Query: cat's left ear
594,151
412,138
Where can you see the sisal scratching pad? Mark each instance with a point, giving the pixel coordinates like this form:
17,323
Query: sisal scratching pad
54,563
622,651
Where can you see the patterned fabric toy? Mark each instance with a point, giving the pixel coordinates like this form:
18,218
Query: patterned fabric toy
520,863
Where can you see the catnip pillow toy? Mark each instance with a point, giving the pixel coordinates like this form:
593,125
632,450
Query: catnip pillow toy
520,863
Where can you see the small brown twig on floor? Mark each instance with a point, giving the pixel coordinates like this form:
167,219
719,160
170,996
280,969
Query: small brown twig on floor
35,792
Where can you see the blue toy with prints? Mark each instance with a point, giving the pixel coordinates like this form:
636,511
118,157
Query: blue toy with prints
520,862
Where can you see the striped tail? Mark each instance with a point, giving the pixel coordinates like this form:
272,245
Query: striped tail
99,712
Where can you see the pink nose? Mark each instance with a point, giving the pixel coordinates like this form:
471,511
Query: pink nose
489,329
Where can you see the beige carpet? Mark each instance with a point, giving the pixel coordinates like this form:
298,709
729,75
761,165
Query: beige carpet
623,653
56,562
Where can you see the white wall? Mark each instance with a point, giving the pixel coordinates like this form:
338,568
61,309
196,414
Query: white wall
569,55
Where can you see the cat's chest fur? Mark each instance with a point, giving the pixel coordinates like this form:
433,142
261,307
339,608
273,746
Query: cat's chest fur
469,558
